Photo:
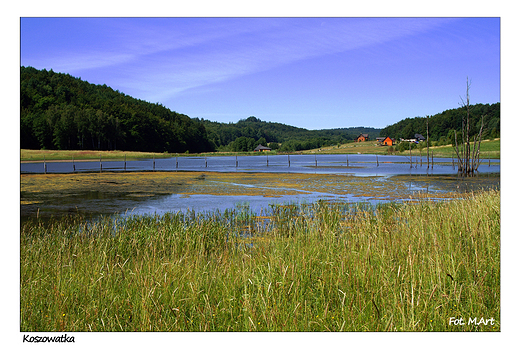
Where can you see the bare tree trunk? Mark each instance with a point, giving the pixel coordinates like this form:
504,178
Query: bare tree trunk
469,159
410,148
427,141
468,144
477,156
464,158
459,159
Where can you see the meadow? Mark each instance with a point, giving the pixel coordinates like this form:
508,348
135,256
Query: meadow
316,267
33,155
488,149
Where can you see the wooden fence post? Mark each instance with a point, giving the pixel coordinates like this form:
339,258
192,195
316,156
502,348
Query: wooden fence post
410,148
452,162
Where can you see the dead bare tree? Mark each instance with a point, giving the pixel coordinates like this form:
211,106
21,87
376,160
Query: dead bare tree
427,141
468,158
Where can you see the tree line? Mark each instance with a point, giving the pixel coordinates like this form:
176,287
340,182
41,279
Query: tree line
248,133
444,125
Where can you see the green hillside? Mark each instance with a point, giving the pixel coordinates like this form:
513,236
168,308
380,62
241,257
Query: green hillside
59,111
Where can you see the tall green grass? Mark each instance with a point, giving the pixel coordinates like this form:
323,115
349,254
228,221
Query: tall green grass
319,267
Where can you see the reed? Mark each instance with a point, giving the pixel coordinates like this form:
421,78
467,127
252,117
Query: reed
315,267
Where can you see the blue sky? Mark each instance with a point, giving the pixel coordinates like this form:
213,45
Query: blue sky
314,73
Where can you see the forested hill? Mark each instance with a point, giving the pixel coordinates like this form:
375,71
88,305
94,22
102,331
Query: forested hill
247,133
59,111
442,125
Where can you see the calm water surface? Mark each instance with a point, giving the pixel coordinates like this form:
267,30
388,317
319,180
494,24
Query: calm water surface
356,164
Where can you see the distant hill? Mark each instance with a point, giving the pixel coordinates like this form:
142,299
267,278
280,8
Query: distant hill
247,133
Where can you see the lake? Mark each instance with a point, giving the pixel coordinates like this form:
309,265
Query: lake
225,182
356,164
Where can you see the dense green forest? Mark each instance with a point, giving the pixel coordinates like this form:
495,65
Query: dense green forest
59,111
442,126
248,133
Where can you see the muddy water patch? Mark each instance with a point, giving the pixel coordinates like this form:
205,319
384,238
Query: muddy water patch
160,192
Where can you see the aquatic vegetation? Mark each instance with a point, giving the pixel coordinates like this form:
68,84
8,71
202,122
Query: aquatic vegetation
45,195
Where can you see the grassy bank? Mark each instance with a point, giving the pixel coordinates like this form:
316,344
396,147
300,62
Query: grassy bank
30,155
320,267
488,149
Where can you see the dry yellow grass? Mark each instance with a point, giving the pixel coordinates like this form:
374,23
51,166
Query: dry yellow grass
28,155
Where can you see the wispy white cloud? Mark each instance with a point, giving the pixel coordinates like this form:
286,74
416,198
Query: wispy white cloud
163,57
253,45
79,62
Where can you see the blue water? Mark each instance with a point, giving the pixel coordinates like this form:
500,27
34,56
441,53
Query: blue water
355,164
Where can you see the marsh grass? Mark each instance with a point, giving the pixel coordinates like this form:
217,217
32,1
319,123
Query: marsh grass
32,155
37,188
315,267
